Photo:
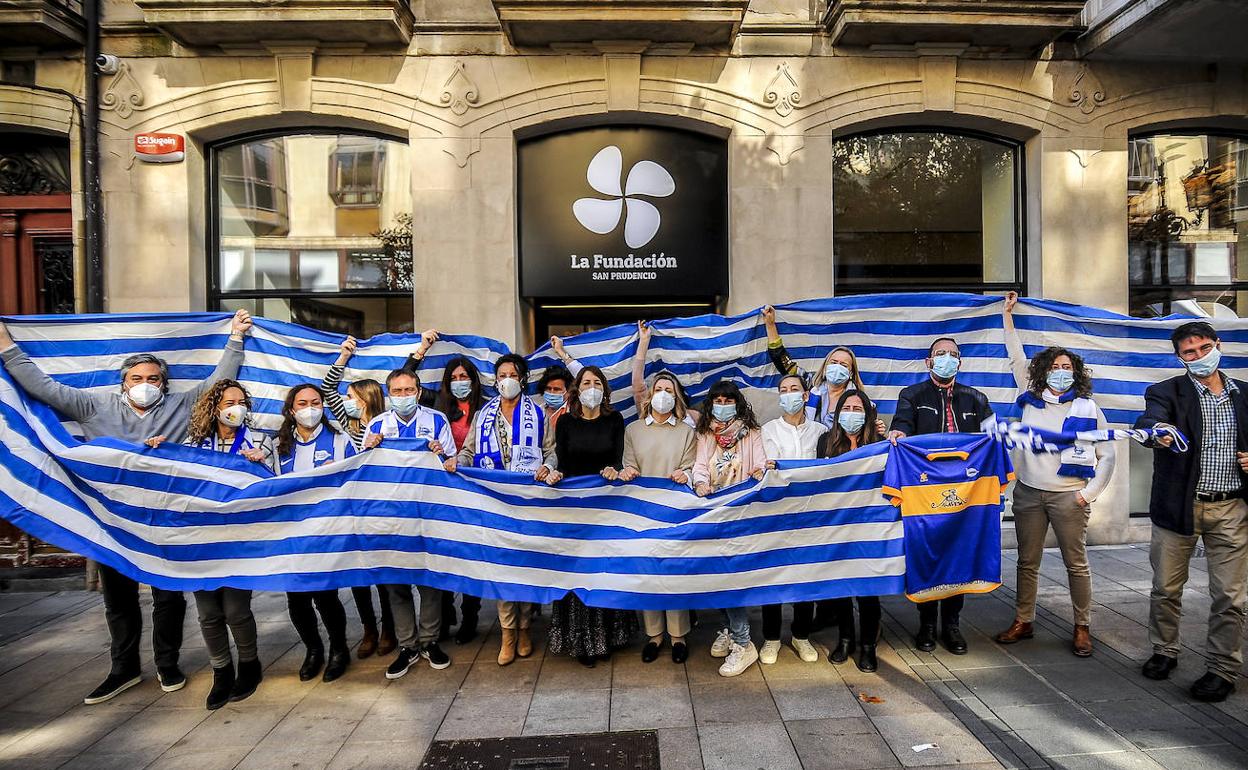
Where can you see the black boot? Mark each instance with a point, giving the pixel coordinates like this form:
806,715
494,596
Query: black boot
926,639
866,659
222,684
250,673
953,639
337,665
312,663
467,629
843,649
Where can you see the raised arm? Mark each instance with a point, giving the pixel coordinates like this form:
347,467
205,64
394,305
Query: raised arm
415,358
329,385
1014,344
73,403
574,366
776,351
232,358
639,364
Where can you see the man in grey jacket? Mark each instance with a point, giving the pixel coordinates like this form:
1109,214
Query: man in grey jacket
141,408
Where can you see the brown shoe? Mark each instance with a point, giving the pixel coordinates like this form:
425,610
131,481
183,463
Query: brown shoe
524,643
386,643
1082,645
1017,631
368,645
507,652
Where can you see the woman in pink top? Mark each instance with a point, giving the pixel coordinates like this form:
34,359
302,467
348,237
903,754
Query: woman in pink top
730,450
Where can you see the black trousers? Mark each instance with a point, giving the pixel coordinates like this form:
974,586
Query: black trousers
470,607
868,615
950,610
364,605
803,617
125,622
333,615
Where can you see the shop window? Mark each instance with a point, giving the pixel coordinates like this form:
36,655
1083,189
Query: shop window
926,211
1187,219
301,239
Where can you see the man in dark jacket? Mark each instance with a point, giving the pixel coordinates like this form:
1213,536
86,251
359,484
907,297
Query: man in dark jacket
1201,494
940,404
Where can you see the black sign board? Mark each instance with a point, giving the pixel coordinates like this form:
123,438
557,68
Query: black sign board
623,211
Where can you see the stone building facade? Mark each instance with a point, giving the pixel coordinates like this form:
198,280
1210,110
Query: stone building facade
1071,90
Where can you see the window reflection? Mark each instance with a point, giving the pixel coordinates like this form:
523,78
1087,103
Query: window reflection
924,210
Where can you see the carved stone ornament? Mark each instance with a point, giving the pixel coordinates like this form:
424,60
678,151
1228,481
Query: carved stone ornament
782,93
124,94
1086,92
459,92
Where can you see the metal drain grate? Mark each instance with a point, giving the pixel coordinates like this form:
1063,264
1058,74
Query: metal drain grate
594,751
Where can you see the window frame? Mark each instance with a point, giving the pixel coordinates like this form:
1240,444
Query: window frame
1018,150
376,190
215,295
1241,181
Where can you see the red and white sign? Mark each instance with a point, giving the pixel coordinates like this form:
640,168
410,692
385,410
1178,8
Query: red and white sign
160,148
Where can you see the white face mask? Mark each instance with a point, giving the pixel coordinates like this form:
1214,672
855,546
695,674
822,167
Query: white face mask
308,417
591,398
509,388
233,416
662,402
144,395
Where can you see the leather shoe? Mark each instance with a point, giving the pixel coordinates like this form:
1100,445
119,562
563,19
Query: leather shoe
312,663
925,641
843,649
1212,688
953,639
337,665
866,659
368,644
680,652
1081,645
1017,631
386,643
1159,666
650,653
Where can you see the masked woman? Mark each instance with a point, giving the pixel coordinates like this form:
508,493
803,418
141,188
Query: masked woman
306,441
219,423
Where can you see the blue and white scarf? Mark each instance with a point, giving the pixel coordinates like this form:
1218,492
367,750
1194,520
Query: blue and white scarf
528,429
1079,459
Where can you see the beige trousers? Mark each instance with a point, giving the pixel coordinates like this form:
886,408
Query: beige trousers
1035,510
675,622
514,614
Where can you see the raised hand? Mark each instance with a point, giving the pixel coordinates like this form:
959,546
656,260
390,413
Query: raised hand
556,344
241,324
427,338
1011,299
345,351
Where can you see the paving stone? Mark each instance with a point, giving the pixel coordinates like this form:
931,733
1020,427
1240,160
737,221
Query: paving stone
485,716
651,708
732,703
1201,758
379,755
747,747
679,749
1089,680
1008,687
840,744
1151,724
561,712
805,699
1113,760
955,744
1060,728
517,677
562,673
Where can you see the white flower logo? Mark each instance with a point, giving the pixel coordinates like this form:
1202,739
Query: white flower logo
641,221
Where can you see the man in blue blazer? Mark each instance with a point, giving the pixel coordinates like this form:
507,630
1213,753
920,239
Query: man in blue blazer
1199,494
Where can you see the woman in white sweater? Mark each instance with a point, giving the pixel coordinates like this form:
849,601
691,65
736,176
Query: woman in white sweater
1055,490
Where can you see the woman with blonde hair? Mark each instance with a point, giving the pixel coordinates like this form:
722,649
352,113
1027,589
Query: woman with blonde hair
837,374
661,444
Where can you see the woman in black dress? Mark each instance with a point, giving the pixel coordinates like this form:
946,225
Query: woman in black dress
589,441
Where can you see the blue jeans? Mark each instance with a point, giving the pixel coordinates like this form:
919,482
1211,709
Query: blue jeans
738,619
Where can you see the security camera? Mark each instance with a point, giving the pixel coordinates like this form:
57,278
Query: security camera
107,64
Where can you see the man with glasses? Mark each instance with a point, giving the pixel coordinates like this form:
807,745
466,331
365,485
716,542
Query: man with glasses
940,404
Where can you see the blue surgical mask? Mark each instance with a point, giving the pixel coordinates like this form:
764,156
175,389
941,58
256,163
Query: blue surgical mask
1206,364
946,366
836,374
461,389
1060,380
723,412
852,422
792,402
351,407
554,400
404,405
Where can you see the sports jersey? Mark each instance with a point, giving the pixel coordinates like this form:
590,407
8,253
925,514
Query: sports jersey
325,446
426,423
951,491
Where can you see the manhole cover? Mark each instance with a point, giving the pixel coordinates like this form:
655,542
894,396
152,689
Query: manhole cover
594,751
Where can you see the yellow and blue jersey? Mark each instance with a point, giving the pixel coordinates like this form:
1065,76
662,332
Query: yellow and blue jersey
950,488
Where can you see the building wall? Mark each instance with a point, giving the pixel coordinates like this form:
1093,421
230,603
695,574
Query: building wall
461,95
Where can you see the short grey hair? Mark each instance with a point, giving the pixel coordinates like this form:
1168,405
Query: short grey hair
147,358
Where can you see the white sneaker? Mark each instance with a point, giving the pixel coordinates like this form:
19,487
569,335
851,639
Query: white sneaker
770,651
722,644
805,650
739,660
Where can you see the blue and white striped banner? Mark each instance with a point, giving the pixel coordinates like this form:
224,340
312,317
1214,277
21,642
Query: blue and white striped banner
187,519
890,333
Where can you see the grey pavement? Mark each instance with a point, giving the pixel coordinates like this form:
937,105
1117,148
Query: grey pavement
1032,704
